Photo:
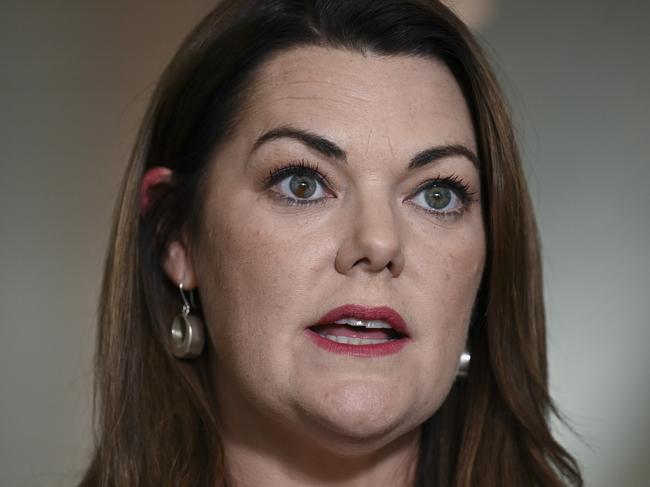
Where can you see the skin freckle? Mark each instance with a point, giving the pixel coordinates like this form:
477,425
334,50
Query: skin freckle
282,266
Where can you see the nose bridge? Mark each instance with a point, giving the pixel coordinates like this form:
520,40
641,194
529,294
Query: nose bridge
375,218
373,237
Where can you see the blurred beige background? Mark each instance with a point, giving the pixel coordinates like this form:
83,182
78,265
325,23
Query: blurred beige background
74,81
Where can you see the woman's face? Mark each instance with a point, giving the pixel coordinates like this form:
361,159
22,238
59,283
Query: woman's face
376,233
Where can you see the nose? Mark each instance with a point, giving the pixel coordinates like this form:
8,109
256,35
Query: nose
372,240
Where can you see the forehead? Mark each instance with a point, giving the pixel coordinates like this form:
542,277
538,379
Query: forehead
390,101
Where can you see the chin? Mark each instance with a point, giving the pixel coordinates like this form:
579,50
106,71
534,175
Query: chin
359,418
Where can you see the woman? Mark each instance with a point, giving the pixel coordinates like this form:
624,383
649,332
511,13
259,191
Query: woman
323,219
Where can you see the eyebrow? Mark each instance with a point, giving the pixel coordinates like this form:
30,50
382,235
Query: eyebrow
331,150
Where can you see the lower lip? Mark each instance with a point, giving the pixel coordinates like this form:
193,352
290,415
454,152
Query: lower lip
366,351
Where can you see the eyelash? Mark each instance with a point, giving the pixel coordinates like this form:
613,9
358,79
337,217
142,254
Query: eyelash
297,168
305,168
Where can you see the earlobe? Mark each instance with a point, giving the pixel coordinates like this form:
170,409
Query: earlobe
176,261
178,266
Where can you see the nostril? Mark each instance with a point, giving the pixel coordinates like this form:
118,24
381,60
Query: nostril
370,255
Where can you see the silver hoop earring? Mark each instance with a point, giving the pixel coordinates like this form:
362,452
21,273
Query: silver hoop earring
186,335
463,364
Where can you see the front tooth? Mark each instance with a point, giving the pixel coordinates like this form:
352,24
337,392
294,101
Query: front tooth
377,324
355,341
363,323
350,321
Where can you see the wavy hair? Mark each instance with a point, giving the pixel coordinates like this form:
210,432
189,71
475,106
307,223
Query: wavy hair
155,415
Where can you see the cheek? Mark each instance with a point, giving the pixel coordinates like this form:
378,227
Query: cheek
236,265
447,280
447,268
462,268
251,276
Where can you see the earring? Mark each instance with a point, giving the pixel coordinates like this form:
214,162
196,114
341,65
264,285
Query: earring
463,364
186,332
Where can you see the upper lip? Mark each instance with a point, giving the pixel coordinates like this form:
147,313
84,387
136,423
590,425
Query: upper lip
362,312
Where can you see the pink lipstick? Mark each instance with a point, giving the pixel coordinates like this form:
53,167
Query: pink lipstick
360,331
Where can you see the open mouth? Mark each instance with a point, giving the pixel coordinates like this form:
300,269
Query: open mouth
360,331
351,331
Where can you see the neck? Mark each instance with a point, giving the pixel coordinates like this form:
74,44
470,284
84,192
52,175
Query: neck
260,450
291,460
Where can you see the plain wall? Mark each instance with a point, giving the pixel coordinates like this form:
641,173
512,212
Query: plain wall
74,82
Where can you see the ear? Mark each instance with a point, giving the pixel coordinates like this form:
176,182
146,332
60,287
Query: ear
178,266
153,177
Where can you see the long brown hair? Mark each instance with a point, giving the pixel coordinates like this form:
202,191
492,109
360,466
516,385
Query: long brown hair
156,423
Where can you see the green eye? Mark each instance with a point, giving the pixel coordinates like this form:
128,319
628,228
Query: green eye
445,197
298,184
302,186
438,197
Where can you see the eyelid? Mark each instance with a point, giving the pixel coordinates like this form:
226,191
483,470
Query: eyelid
277,176
460,190
456,198
301,166
457,185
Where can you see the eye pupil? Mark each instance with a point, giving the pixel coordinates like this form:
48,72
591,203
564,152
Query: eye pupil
302,187
438,197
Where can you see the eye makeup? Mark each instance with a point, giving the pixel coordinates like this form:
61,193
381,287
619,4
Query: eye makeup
451,189
301,168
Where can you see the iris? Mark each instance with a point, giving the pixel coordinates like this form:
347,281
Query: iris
438,197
